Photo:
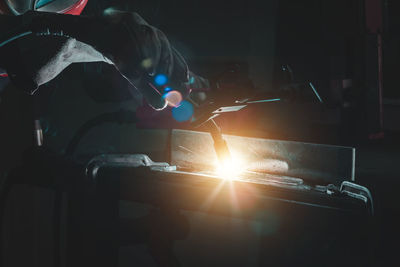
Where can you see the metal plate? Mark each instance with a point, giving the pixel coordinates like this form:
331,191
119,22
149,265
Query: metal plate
320,163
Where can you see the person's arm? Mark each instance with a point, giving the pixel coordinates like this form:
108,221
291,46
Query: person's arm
122,39
71,51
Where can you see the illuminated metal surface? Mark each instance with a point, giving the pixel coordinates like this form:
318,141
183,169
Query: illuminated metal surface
251,177
314,162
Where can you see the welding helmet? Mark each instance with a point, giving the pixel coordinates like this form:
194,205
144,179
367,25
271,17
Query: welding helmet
18,7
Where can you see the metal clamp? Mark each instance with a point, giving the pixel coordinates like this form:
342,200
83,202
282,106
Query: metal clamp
359,192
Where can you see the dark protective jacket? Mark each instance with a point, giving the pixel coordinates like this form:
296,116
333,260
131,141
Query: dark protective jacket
138,50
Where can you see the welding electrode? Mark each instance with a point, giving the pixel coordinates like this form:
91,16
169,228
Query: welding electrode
220,145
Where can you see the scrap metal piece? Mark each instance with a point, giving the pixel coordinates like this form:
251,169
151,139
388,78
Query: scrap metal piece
229,109
124,160
200,121
358,192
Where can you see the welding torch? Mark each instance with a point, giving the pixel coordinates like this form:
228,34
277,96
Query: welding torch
207,119
211,112
220,145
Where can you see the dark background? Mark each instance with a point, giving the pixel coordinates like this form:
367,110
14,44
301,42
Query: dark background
323,41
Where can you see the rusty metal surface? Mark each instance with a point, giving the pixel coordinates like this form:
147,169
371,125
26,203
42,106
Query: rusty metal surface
322,164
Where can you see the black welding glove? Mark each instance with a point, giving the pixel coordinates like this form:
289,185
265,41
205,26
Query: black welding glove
138,50
152,55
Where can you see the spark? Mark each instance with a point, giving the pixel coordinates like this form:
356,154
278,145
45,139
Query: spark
316,93
264,101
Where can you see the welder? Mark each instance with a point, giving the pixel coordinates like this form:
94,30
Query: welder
138,50
40,38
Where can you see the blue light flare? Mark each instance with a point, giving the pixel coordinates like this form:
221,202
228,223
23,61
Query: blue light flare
184,112
161,79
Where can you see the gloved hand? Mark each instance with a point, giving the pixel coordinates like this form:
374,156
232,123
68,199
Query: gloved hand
138,50
145,54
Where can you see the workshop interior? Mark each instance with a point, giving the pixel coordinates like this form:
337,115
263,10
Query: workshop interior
199,133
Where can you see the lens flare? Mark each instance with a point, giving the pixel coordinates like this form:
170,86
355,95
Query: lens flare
161,79
183,112
173,98
147,63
